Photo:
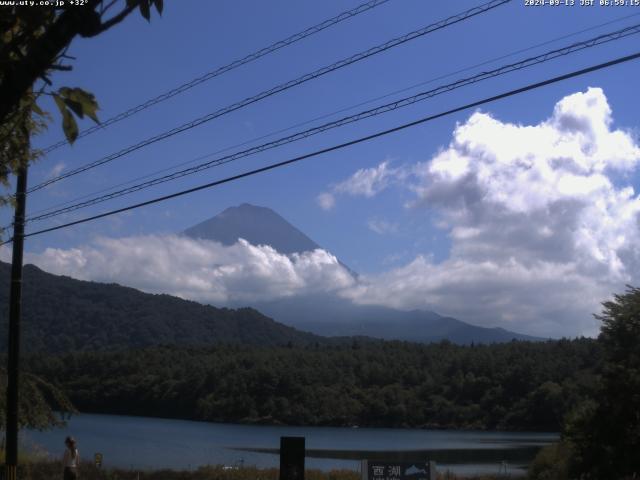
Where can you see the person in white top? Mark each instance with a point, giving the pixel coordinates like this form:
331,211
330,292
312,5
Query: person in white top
70,459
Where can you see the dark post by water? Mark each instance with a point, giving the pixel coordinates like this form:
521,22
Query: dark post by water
292,458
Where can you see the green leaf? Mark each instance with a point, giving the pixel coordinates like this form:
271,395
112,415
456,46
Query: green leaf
69,126
91,112
81,102
75,106
36,108
145,9
60,103
159,5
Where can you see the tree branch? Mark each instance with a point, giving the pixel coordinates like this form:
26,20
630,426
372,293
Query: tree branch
106,8
21,75
104,26
64,68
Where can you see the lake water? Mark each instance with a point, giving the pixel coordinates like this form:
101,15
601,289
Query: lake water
146,443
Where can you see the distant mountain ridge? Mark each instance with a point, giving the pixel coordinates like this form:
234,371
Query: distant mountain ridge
330,315
334,316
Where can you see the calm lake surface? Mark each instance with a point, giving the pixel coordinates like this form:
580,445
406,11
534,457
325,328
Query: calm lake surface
146,443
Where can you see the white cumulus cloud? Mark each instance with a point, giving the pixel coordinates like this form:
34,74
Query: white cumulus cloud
199,270
540,232
365,182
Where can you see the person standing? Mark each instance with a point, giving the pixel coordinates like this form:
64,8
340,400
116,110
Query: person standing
70,459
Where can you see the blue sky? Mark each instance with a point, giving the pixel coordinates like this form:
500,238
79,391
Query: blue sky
377,234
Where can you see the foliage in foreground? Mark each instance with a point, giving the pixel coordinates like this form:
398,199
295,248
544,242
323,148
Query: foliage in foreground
33,44
601,436
551,463
39,402
605,433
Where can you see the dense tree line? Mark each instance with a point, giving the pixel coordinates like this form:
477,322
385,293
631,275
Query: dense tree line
518,385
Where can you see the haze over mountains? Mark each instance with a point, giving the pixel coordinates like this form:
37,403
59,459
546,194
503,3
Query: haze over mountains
327,314
64,314
330,315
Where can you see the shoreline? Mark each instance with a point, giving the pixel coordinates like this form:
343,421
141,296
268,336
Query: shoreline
250,423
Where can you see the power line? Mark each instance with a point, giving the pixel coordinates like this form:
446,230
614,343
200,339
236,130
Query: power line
401,103
327,115
273,166
226,68
495,59
282,87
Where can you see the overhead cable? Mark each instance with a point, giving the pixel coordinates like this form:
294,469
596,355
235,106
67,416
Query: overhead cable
324,116
279,88
382,109
359,140
296,37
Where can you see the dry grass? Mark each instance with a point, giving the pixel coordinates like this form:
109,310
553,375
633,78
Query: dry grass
48,470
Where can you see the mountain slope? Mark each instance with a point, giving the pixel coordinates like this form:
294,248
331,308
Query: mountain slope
63,314
257,225
330,315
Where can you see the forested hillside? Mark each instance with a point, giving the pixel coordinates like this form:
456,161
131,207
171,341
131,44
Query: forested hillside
517,385
62,314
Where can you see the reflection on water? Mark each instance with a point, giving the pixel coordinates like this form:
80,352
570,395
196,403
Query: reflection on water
468,461
520,455
144,443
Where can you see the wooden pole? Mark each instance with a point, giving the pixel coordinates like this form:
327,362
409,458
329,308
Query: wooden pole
15,300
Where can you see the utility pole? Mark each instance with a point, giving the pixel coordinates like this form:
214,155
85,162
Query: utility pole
15,300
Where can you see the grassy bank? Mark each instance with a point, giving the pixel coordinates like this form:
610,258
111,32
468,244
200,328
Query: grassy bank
48,470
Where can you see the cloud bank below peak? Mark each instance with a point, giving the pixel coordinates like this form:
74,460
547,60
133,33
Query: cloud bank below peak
197,269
